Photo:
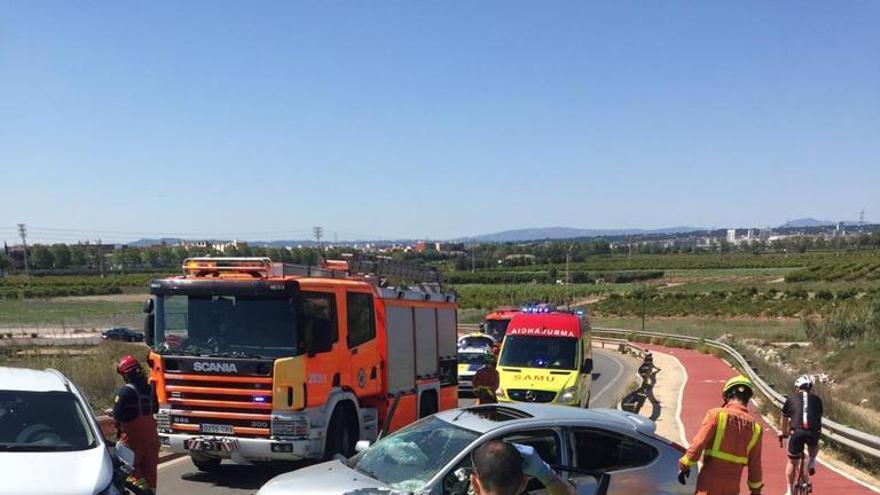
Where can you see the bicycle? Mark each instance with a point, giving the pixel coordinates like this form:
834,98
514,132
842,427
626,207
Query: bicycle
803,485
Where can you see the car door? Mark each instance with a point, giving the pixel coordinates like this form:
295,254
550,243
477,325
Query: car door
364,376
318,323
546,441
628,461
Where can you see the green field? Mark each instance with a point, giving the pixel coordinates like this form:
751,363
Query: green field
488,296
784,330
21,287
15,314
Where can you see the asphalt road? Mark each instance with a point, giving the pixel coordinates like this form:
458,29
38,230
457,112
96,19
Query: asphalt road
611,376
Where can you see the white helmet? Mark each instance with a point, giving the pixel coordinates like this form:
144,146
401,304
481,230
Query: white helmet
804,381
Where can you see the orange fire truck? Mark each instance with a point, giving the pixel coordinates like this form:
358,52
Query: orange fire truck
495,323
258,361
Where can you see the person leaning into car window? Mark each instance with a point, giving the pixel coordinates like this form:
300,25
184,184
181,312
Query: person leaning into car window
501,468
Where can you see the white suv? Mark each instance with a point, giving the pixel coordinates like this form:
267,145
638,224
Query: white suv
49,439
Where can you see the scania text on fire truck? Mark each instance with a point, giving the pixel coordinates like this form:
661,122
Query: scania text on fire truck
258,361
546,357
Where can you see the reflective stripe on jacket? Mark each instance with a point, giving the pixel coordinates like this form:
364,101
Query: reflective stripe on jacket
728,440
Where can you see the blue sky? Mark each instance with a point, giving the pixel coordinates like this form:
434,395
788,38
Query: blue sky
416,119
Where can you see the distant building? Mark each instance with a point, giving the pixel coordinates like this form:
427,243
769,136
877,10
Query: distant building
224,246
731,235
194,244
221,246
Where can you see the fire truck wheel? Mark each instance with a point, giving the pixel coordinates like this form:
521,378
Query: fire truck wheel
342,433
428,404
206,464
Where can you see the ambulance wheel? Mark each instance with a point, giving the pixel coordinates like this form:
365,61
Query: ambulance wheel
342,434
205,463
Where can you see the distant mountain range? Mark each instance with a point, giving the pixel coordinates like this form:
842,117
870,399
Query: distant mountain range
811,222
518,235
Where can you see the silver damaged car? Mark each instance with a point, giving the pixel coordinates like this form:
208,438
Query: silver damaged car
600,451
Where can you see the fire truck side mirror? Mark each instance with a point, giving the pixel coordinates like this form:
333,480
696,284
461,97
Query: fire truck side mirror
149,321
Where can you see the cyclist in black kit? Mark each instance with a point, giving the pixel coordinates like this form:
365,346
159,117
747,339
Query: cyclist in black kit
802,420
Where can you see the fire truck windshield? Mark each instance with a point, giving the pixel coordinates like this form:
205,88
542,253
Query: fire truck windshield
496,328
528,351
235,326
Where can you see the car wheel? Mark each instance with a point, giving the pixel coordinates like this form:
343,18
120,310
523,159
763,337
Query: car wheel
206,464
342,434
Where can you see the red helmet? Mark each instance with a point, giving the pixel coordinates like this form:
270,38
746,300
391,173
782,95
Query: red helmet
127,364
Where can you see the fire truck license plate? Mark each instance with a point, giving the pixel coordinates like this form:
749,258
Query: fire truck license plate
218,429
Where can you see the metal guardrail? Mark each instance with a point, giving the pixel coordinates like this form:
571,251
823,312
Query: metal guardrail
623,345
857,440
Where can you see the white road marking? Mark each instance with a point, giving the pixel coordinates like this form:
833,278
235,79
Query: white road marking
678,407
612,382
174,461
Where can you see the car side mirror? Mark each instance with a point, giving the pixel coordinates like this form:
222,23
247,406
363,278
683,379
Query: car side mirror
458,482
361,445
587,367
125,455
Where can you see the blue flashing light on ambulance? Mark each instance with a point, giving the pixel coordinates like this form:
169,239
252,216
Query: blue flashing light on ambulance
546,356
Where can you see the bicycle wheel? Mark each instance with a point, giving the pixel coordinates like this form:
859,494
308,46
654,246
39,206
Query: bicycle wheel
802,482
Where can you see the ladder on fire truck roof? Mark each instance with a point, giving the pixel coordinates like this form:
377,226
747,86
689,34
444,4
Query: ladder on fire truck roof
390,268
429,279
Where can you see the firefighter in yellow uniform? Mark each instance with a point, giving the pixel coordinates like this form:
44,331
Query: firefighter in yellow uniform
728,440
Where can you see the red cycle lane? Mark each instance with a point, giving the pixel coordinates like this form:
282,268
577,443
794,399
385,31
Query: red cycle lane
706,376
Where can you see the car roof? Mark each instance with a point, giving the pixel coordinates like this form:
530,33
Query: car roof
28,380
489,417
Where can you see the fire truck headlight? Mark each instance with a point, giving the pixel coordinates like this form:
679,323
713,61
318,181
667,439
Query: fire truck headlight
568,394
290,426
